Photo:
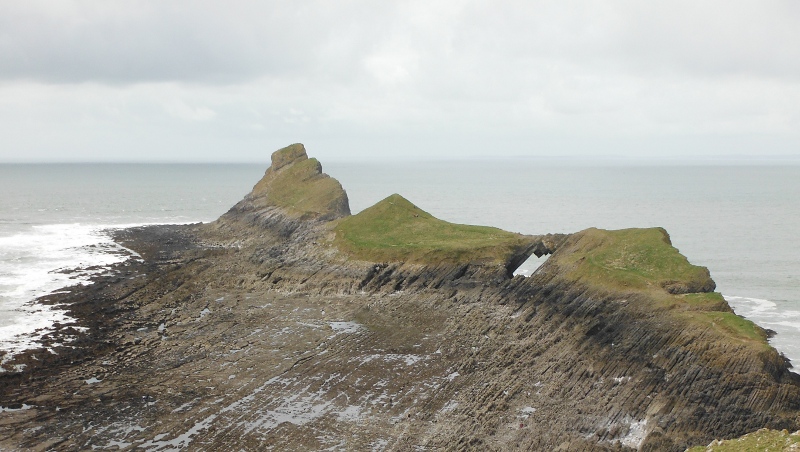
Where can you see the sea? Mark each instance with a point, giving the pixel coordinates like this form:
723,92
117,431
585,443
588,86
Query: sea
741,221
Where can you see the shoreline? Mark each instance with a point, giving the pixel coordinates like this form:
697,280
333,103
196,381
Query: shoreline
80,307
78,264
94,331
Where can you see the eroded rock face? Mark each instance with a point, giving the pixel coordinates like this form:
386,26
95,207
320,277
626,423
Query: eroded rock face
288,155
255,332
293,186
704,284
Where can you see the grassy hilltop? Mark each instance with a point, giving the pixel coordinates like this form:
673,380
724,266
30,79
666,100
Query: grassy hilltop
394,229
635,259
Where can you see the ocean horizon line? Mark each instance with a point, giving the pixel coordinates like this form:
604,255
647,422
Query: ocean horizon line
577,160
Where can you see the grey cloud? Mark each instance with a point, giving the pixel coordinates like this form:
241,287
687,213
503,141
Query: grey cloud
169,41
714,38
165,80
478,41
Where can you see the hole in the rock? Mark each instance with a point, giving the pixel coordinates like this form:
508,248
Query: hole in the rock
529,266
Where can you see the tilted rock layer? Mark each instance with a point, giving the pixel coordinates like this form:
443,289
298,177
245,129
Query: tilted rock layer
259,331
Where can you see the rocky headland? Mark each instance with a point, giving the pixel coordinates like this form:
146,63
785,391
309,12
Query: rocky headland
290,324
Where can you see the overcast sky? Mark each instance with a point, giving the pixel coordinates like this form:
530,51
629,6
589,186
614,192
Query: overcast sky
235,80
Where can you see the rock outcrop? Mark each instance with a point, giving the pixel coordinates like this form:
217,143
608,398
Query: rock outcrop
293,188
263,331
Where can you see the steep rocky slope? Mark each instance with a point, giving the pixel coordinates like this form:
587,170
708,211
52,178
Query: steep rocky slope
264,330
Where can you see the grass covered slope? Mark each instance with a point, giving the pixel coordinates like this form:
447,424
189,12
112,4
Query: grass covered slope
635,258
644,260
394,229
297,184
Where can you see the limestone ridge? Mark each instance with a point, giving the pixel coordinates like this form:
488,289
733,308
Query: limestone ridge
261,331
295,189
295,194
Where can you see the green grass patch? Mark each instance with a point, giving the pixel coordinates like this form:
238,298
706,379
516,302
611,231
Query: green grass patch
762,440
733,325
711,310
633,259
704,301
394,229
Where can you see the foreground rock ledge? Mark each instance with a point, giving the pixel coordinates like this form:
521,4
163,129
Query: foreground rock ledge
263,330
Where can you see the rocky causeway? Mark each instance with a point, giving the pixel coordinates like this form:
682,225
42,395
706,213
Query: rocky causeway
290,324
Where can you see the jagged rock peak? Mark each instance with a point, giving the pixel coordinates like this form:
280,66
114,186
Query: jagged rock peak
296,184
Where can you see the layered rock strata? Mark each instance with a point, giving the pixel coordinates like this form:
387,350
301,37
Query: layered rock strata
259,332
